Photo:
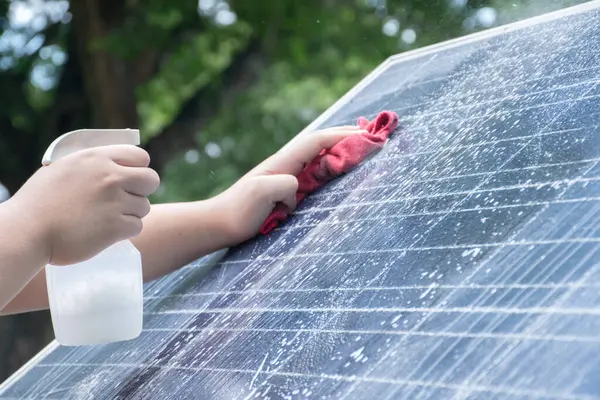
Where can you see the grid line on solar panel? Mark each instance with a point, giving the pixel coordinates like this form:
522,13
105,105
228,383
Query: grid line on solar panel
537,185
475,388
462,246
466,286
506,83
536,394
446,178
445,211
508,97
435,334
513,61
452,103
456,310
467,94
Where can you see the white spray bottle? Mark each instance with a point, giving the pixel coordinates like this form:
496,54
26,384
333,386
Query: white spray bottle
99,300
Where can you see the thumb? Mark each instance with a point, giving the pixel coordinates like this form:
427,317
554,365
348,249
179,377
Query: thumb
278,188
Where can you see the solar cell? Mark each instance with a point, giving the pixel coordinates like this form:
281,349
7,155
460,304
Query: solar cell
460,262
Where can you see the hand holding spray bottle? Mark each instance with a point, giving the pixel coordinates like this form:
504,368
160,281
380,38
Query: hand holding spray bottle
99,300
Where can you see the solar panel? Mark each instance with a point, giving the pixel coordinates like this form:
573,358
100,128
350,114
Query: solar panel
460,262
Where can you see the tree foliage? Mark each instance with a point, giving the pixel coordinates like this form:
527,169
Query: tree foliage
214,86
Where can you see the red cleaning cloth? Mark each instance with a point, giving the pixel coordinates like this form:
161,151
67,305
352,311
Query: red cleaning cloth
333,162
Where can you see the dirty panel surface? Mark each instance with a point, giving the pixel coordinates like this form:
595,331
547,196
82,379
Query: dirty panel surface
461,262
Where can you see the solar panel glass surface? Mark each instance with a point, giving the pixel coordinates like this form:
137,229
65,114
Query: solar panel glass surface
460,262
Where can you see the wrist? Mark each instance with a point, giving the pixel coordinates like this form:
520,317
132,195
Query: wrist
219,222
22,226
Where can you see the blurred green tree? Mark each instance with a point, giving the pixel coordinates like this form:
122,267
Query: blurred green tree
215,86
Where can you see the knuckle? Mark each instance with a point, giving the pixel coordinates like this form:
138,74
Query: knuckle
111,180
87,156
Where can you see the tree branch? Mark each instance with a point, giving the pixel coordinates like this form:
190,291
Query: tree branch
244,71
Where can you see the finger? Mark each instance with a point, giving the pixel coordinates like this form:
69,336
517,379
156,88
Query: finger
292,159
278,188
140,181
129,226
136,206
344,130
126,155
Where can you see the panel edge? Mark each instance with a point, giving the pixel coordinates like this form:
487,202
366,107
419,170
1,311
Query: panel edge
18,374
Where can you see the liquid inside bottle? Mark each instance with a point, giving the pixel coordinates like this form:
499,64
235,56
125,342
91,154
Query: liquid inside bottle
99,300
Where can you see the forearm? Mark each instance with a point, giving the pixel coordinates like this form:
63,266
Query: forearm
23,253
176,234
173,235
